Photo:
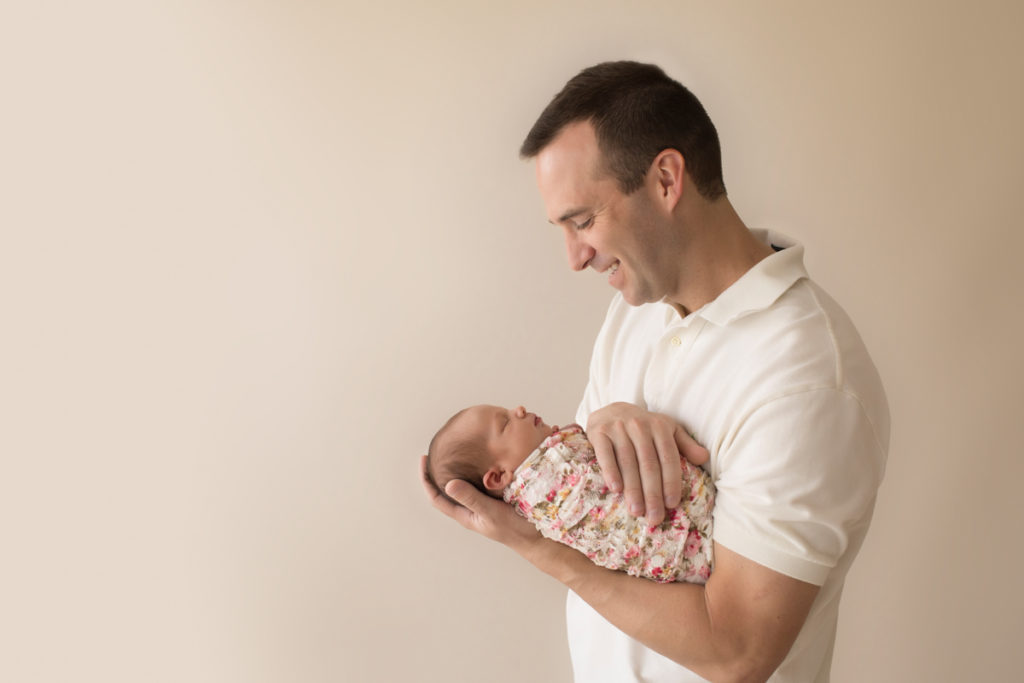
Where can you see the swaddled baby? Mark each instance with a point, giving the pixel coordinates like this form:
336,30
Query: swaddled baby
552,478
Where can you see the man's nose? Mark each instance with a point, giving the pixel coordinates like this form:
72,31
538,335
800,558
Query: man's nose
520,412
577,250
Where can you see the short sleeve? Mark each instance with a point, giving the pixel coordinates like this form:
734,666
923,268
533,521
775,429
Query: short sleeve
797,480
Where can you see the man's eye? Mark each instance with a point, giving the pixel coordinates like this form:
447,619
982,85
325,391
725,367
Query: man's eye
585,224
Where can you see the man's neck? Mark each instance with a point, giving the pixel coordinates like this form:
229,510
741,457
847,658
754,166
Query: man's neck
720,249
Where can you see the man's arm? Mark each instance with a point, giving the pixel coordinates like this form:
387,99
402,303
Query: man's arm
737,627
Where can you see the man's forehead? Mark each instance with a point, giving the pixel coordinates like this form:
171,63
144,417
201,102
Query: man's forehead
573,149
569,172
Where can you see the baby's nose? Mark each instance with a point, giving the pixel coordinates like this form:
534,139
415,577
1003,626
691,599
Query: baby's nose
520,412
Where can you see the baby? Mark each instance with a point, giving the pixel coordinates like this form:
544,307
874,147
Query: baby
552,478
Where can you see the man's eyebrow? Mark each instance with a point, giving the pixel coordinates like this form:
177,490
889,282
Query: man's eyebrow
571,213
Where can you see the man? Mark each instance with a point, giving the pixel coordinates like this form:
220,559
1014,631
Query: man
717,328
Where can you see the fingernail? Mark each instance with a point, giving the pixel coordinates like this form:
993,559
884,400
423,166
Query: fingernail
636,509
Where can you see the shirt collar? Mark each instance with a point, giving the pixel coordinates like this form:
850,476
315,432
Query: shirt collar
760,286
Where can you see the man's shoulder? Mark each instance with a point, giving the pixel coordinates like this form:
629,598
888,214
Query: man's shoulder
804,343
806,323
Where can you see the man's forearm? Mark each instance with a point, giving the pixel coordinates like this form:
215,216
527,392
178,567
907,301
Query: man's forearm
669,618
739,626
719,639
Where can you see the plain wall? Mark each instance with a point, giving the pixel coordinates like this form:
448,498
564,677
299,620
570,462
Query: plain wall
254,253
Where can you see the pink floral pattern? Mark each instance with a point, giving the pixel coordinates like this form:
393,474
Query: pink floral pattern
560,489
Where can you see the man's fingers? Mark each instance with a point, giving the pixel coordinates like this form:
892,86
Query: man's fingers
649,469
689,448
479,512
465,494
605,454
641,452
489,516
468,500
629,468
617,459
671,467
433,494
465,512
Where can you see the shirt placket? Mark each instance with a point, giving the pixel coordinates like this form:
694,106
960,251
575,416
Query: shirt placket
667,360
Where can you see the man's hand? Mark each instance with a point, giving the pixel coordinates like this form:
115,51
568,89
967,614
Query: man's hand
478,512
639,453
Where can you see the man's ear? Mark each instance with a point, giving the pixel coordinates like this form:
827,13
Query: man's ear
496,479
669,169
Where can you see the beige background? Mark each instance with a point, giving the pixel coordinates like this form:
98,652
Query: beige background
253,253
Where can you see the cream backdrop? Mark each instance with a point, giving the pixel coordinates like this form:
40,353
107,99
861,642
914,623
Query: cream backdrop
253,254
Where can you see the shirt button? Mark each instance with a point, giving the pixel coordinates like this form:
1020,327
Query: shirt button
676,341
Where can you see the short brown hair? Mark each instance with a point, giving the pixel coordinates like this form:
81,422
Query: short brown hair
637,112
450,457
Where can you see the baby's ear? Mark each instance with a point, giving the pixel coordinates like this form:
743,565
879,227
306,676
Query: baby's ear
496,479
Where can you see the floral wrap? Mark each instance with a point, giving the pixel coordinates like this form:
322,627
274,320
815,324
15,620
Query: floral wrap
560,489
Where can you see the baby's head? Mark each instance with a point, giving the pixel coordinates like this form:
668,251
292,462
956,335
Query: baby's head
484,445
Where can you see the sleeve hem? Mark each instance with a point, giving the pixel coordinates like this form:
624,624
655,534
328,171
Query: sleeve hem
743,543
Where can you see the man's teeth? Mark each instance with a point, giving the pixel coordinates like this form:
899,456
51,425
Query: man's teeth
614,268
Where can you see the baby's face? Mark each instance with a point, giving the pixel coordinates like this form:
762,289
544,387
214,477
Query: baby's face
510,435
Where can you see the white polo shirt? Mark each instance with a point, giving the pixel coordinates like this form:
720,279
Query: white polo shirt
774,380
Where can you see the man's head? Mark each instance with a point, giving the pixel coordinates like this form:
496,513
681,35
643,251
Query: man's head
628,165
637,111
484,445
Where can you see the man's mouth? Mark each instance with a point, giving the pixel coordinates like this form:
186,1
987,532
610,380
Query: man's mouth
613,269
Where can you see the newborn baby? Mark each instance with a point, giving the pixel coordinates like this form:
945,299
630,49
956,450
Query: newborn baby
552,478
